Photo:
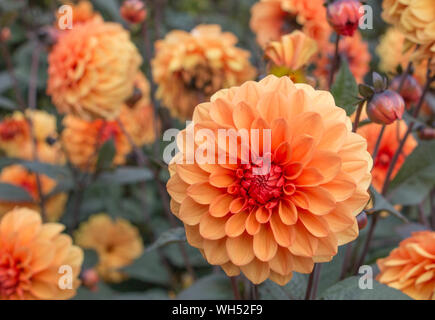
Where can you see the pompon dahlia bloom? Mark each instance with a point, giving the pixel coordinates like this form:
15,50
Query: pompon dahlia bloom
291,53
354,49
82,140
273,18
31,257
92,70
388,146
21,177
410,268
344,16
294,214
117,242
190,67
16,139
138,116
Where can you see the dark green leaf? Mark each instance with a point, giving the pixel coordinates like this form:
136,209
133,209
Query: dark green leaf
168,237
148,268
7,104
293,290
125,175
382,204
90,260
212,287
105,155
13,193
345,89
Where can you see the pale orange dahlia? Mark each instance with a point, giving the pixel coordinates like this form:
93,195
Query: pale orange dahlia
16,137
388,146
92,70
273,18
410,268
117,242
35,258
289,55
138,117
294,214
82,140
354,49
21,177
191,66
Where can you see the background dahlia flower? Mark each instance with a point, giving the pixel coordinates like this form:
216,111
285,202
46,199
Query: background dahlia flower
191,66
273,18
82,12
117,243
82,140
296,214
387,148
16,137
31,257
21,177
291,53
410,268
92,70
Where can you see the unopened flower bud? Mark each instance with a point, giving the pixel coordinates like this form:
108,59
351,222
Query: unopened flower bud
90,279
133,11
362,220
427,133
344,15
410,91
5,34
385,107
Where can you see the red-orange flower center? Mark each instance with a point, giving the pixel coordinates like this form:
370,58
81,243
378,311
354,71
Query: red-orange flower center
9,276
9,129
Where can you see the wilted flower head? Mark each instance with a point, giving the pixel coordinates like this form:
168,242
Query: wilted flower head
191,66
410,91
16,138
32,255
82,139
344,15
133,11
263,217
117,243
387,148
291,53
385,107
273,18
19,176
410,268
92,70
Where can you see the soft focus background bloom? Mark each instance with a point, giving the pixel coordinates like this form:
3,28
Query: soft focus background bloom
190,67
117,243
31,254
410,268
300,212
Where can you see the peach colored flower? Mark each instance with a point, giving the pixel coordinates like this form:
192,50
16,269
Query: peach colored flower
92,70
273,18
117,242
138,118
354,49
82,140
292,52
295,214
389,144
19,176
190,67
31,257
410,268
344,16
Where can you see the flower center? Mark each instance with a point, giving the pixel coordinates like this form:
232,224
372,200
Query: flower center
108,130
289,24
201,79
383,159
9,129
258,189
9,276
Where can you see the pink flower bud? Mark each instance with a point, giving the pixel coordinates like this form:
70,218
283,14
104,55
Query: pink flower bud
344,15
362,220
5,34
90,279
411,91
385,107
133,11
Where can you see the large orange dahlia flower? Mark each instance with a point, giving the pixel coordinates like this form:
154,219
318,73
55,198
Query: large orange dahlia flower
354,49
21,177
36,259
92,70
190,67
387,148
16,137
82,140
410,268
273,18
294,214
117,243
